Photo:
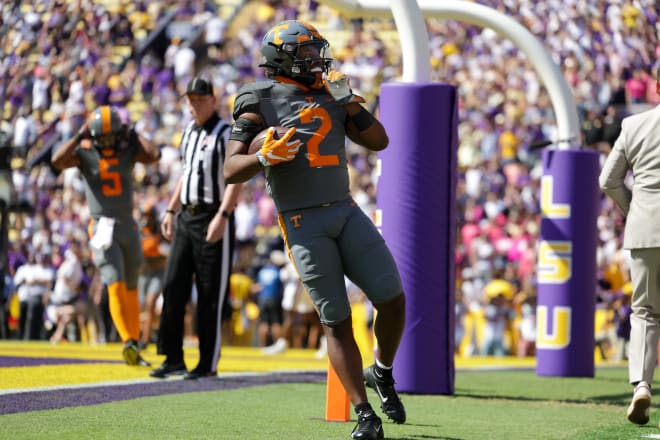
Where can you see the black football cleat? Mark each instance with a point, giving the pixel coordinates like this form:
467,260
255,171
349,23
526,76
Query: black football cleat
195,374
383,384
369,426
169,369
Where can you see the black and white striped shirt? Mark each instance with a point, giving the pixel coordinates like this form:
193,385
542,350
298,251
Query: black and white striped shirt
203,153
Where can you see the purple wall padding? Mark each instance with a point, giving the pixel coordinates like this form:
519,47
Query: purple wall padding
567,264
416,202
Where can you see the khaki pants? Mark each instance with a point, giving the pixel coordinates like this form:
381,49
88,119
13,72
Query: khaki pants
645,318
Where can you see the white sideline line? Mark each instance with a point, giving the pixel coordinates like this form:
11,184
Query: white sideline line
75,386
143,381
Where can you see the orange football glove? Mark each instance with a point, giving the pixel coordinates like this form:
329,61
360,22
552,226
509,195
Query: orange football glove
336,83
275,151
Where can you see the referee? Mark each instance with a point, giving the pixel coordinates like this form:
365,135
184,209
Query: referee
202,209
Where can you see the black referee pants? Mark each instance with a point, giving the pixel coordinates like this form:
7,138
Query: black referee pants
209,265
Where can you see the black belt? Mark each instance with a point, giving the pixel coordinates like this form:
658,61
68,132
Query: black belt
199,208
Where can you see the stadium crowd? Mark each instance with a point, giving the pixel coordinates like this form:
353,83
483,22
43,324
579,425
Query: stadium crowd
63,58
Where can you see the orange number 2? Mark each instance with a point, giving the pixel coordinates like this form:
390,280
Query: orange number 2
316,159
113,186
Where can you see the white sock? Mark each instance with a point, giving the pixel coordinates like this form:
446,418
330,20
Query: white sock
382,366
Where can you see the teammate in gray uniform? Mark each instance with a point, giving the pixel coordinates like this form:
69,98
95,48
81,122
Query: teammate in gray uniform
326,233
105,151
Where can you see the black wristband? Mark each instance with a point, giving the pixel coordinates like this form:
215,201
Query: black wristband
362,120
224,214
170,211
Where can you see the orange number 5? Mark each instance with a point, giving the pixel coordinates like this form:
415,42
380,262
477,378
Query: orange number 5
316,159
113,187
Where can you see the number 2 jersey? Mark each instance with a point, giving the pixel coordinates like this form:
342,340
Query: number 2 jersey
108,180
319,174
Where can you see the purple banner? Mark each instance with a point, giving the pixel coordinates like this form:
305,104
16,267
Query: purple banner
416,205
567,264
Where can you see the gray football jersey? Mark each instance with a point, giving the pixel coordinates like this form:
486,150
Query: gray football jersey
108,181
319,173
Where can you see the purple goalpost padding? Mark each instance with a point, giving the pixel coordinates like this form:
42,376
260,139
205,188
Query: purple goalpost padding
567,263
416,205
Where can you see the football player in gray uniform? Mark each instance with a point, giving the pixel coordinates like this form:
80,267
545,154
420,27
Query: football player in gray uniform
105,150
327,235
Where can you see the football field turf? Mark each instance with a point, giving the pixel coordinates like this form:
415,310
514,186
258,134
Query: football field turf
77,391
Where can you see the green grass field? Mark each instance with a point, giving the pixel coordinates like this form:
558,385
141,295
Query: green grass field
486,405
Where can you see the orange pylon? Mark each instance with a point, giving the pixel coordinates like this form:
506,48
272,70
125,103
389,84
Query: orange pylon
337,403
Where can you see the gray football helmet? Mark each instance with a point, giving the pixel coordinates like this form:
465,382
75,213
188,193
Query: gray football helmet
296,50
105,127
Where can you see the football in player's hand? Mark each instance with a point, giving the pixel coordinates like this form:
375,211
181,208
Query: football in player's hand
258,140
